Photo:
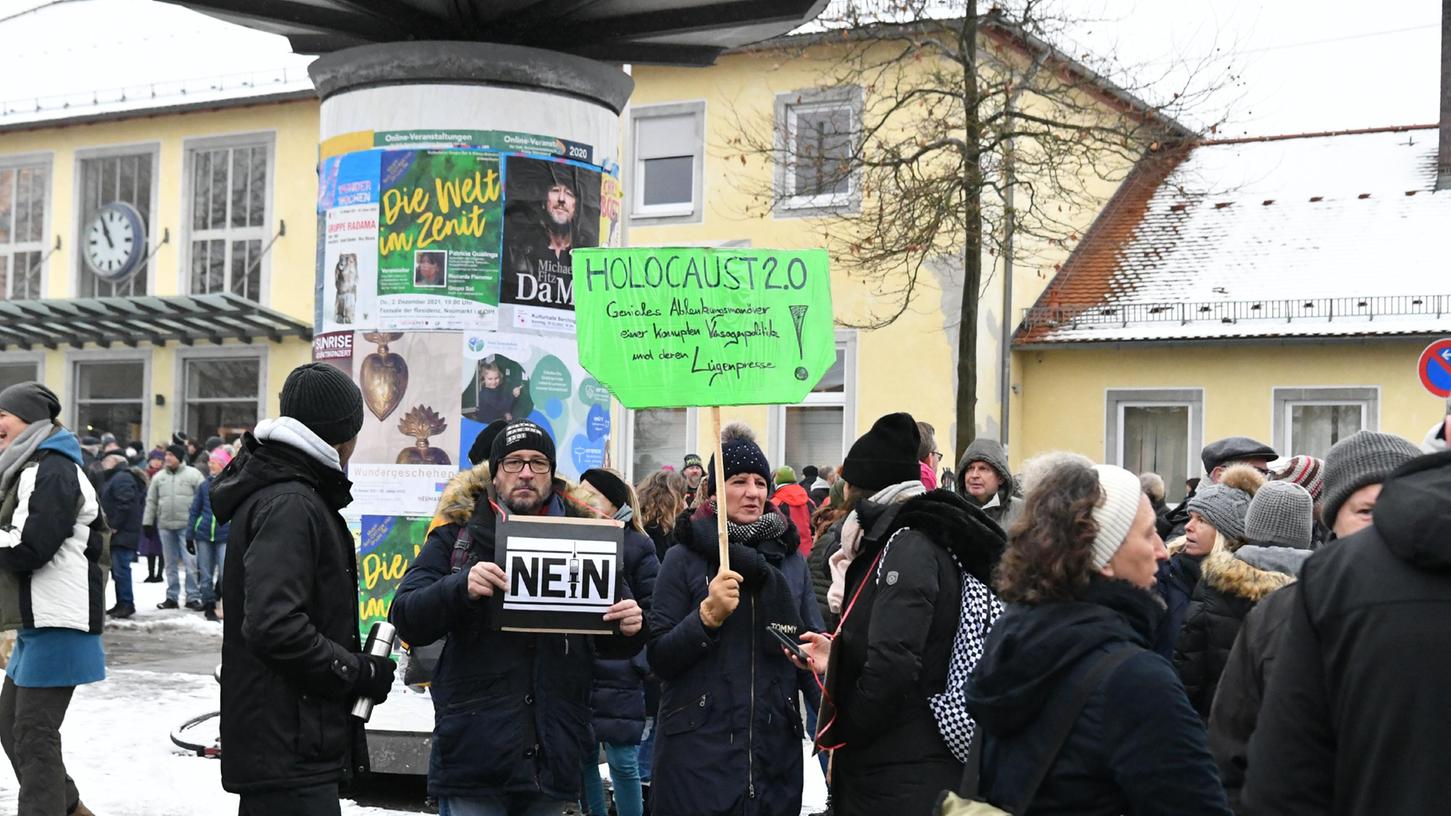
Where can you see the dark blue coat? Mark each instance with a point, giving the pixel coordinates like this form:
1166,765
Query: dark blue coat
729,733
123,499
511,710
618,696
1136,747
1175,583
203,525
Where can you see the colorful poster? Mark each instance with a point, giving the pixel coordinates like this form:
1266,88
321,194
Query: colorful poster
335,349
387,546
500,140
438,240
552,208
673,327
536,377
348,201
406,449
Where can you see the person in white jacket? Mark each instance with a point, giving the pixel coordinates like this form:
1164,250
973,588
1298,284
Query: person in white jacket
52,589
168,513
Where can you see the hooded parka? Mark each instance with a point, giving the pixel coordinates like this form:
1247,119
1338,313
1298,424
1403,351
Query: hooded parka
894,648
511,709
1230,586
1355,715
1005,506
729,731
1136,747
290,637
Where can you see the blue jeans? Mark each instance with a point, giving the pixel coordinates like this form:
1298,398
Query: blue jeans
121,561
624,773
173,547
647,750
511,804
209,557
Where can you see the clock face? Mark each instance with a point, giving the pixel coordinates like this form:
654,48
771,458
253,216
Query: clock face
113,242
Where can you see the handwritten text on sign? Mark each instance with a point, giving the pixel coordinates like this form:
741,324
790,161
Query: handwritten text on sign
670,327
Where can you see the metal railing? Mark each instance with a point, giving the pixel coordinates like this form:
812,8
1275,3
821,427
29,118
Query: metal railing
1070,315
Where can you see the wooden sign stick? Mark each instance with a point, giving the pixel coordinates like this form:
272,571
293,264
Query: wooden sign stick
718,478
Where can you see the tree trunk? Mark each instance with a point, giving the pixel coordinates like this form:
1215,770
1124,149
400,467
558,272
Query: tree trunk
972,239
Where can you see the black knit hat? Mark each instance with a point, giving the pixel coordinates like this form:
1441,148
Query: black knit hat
30,402
608,484
521,434
885,455
693,460
740,454
484,442
325,400
179,451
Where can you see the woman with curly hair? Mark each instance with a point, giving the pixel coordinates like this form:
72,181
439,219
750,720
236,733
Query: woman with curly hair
662,499
1075,650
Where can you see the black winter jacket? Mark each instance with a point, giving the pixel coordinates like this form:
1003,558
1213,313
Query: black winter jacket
511,709
894,648
728,736
1242,687
617,697
1356,706
1137,747
290,637
1231,585
123,498
819,564
1176,580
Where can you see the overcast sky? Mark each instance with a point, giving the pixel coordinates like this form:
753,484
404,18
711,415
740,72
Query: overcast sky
1302,65
1299,65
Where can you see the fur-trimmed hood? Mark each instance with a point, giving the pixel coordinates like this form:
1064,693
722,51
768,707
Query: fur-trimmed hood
1228,573
456,505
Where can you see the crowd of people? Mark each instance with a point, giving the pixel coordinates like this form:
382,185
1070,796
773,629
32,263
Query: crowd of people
1029,640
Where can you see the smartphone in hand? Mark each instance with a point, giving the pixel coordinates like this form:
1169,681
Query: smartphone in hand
790,645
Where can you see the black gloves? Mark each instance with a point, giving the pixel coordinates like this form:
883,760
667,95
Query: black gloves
150,530
190,545
375,677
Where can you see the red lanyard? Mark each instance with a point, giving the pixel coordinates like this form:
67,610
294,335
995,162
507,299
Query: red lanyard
825,697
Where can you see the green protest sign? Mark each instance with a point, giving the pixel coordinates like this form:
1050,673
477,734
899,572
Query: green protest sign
666,327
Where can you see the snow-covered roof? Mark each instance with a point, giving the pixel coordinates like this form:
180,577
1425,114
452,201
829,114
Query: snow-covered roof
76,60
1313,236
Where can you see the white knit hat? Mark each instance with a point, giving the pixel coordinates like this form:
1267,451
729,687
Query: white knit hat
1115,514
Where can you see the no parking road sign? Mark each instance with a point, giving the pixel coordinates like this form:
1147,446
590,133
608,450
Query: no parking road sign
1435,368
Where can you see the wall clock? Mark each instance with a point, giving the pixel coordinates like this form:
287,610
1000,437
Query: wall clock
114,244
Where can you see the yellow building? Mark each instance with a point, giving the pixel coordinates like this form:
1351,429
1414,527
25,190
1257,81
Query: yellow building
219,164
1278,288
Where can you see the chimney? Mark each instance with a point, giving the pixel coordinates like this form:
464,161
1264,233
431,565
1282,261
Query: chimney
1443,157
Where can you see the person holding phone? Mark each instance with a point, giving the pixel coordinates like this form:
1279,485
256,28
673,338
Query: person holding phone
915,608
729,733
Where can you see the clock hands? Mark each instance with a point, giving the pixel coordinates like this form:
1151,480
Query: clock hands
107,232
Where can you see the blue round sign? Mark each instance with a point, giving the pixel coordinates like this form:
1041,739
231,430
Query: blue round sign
1435,368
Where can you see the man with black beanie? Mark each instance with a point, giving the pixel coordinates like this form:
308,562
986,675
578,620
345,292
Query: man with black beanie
509,726
292,661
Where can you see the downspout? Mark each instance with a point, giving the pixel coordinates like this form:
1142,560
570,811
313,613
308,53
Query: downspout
1005,347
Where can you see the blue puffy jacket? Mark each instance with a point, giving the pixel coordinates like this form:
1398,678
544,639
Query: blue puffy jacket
203,525
618,694
729,733
511,709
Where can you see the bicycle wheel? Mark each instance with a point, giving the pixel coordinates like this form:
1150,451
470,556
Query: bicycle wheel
200,735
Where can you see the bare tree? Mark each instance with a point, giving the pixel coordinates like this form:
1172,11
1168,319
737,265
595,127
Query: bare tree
973,134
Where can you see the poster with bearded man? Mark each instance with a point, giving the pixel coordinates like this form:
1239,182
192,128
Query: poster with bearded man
550,207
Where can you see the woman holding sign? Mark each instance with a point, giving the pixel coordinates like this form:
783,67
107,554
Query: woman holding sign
729,729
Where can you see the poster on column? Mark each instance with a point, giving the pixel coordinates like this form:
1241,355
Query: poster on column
535,377
552,208
438,240
406,449
348,208
386,546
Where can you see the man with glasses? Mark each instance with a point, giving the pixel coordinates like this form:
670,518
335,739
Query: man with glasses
511,709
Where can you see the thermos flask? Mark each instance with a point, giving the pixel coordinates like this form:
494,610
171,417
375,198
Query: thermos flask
380,643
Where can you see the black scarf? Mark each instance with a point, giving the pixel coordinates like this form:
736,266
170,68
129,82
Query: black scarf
757,551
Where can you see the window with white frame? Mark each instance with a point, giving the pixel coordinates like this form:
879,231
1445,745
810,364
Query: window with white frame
23,192
110,397
222,395
818,133
1156,431
227,198
818,430
669,150
1309,420
123,177
659,437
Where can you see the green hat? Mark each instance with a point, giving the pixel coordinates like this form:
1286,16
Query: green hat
784,475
